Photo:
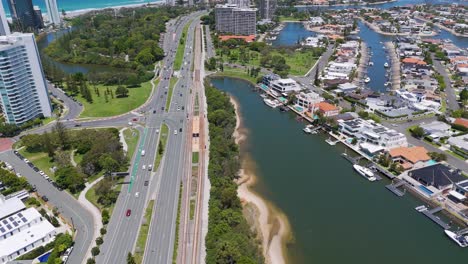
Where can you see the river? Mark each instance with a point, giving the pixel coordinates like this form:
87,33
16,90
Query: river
336,216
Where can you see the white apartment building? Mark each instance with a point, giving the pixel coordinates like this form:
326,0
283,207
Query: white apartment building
21,230
53,12
316,21
285,85
341,67
23,89
372,135
231,19
307,100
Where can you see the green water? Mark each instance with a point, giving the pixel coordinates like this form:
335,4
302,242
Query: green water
336,215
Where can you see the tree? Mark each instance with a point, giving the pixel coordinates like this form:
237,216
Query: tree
62,134
121,91
160,148
130,259
355,141
108,163
69,178
103,231
317,80
95,251
417,132
105,216
464,96
32,142
90,261
99,241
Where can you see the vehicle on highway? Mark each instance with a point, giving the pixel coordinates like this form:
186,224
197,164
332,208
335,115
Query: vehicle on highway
183,107
178,108
77,125
175,132
146,183
135,119
143,152
150,167
130,123
128,213
162,108
137,194
157,130
26,160
144,167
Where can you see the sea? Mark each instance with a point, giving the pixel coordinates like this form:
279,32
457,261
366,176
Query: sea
74,5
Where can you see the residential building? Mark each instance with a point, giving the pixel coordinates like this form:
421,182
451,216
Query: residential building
22,12
53,12
38,17
410,157
459,145
436,129
239,3
316,21
327,109
460,190
461,121
235,20
23,89
4,27
373,137
285,85
307,100
21,229
268,9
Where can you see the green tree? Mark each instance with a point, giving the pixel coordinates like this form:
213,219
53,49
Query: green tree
130,258
417,132
90,261
95,251
121,91
62,134
99,241
69,178
9,130
464,96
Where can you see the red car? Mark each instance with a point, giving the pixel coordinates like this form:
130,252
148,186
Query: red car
129,212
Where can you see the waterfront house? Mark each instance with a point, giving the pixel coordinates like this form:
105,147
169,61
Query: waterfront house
285,85
307,100
459,145
433,180
268,78
460,190
316,21
327,109
410,157
461,121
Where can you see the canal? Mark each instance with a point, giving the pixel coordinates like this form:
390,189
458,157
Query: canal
336,216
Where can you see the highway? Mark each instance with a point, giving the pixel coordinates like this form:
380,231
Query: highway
123,230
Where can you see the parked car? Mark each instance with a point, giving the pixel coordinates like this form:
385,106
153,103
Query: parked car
45,199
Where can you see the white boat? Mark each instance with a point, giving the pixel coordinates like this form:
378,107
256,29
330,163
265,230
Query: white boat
365,172
461,240
385,65
270,103
421,208
371,63
308,129
331,142
367,80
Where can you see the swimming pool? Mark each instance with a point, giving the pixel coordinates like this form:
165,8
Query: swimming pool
431,162
44,257
425,190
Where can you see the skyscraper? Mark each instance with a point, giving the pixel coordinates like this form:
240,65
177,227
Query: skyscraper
22,12
234,20
240,3
38,17
4,27
23,88
267,9
53,12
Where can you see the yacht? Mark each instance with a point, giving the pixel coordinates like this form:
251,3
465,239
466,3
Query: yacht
461,240
365,172
367,80
308,129
385,65
421,208
371,63
271,103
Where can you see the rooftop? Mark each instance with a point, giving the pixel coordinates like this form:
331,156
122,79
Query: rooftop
10,206
437,175
412,154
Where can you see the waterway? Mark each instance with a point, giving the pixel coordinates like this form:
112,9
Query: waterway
336,215
291,35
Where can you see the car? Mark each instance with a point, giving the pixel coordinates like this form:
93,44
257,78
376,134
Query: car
36,169
165,92
144,167
135,119
180,129
26,160
130,123
143,152
41,173
183,107
77,125
178,108
16,152
162,108
150,167
128,213
44,198
394,125
157,131
175,132
137,194
154,111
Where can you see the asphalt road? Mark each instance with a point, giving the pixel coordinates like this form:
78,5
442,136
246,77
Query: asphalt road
123,230
452,102
74,108
67,205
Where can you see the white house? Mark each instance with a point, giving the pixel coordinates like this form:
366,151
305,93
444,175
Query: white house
307,100
285,85
316,21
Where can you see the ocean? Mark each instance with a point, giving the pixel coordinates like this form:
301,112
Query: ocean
73,5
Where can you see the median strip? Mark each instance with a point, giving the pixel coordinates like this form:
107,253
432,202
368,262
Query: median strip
176,240
161,146
143,234
172,83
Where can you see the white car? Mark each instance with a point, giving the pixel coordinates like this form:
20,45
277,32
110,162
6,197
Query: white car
26,160
150,167
137,194
157,130
130,123
41,173
175,132
144,167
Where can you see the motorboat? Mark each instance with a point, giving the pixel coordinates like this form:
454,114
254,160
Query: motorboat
367,80
365,172
461,240
308,129
270,103
371,63
386,65
421,208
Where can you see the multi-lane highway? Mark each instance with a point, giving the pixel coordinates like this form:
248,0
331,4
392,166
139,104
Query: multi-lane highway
164,184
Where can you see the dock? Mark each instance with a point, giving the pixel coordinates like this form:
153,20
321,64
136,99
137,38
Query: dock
430,214
387,174
393,187
356,160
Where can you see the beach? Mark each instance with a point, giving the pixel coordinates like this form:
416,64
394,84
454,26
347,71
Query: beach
272,226
75,13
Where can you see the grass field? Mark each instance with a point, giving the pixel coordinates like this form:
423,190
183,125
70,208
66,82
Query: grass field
181,48
194,157
170,91
162,140
131,136
236,73
41,160
143,234
114,106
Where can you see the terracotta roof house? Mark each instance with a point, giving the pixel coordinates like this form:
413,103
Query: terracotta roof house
410,157
327,109
250,38
461,122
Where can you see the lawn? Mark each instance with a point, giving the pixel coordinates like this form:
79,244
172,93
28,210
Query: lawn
162,140
236,73
194,157
41,160
114,106
131,136
172,83
181,48
143,234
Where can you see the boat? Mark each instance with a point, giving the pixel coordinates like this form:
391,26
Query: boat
263,95
385,65
365,172
331,142
371,63
270,103
421,208
308,129
367,80
283,108
461,240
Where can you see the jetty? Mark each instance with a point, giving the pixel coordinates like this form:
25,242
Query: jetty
355,160
431,215
393,187
395,66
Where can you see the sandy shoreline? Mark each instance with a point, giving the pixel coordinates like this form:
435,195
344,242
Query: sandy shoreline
271,225
75,13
